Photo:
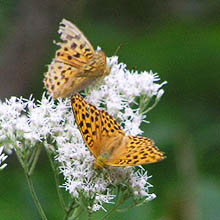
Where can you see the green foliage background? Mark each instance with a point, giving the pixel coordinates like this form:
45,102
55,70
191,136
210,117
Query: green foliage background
178,39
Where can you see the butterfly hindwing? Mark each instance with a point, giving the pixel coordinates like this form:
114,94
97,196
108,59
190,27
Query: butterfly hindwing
135,151
60,78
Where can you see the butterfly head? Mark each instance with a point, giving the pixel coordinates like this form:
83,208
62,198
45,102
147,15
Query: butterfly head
100,162
101,59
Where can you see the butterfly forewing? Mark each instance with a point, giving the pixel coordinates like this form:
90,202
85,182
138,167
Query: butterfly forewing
87,118
71,34
110,127
76,49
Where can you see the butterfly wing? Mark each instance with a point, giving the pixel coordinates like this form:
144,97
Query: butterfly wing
96,126
87,118
75,65
108,142
76,49
61,79
117,149
135,151
79,52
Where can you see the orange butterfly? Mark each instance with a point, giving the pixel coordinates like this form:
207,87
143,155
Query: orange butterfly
76,64
108,142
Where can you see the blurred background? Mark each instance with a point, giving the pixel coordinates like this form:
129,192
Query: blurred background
178,39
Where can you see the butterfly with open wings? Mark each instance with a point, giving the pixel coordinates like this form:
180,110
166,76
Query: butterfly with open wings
107,141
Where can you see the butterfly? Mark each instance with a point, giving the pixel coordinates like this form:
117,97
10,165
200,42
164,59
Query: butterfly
76,64
107,141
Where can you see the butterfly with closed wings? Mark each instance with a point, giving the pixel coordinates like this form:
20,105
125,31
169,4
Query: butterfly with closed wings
76,64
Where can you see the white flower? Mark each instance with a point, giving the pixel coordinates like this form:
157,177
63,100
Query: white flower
3,157
124,94
160,93
10,113
119,90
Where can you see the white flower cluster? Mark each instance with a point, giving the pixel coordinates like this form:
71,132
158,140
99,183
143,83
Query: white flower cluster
24,124
119,90
11,120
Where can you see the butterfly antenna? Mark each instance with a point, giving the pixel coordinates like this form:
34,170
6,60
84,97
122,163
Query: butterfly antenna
117,49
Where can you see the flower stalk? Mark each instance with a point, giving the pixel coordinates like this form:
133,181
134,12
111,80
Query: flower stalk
28,175
57,181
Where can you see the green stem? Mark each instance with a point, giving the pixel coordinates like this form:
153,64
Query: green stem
122,200
150,108
89,215
35,159
144,102
31,158
112,210
30,184
70,210
19,156
34,196
76,214
57,182
127,208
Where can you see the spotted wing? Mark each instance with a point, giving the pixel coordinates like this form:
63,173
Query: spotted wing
75,49
108,142
62,80
96,126
87,118
74,61
135,151
117,149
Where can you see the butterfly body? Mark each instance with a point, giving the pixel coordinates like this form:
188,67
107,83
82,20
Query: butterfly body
76,64
108,142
